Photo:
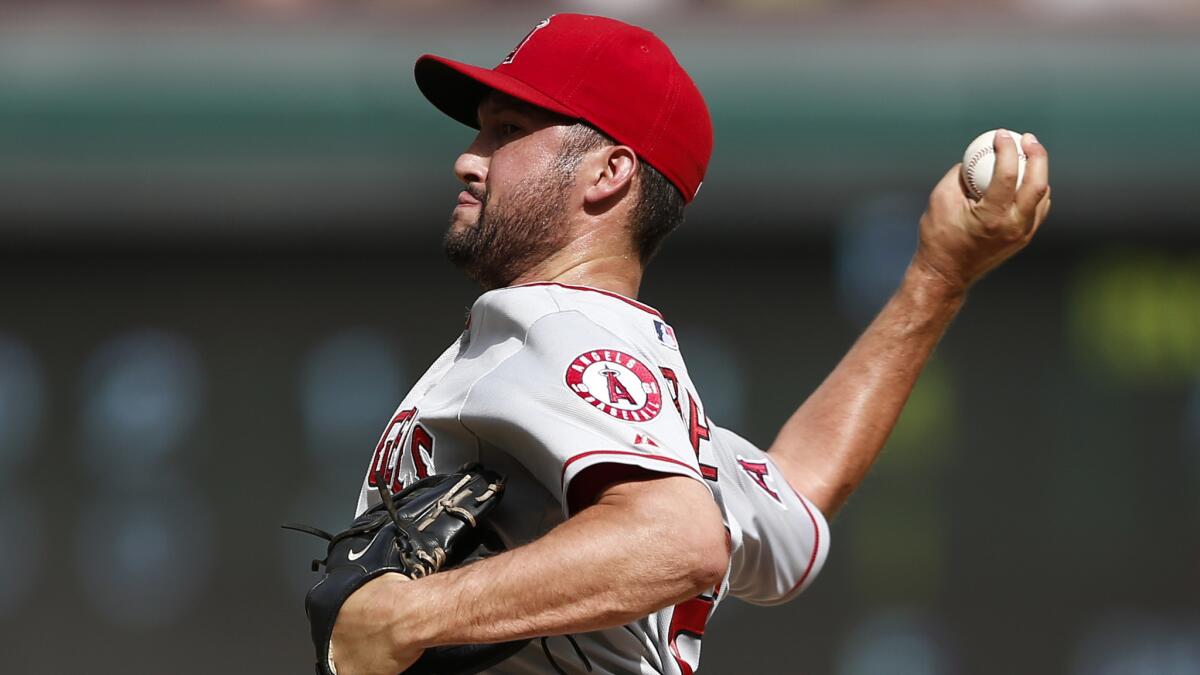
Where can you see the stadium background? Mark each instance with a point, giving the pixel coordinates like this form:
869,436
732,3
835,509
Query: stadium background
220,271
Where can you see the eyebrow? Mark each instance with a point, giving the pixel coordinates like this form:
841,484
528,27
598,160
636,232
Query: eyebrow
504,104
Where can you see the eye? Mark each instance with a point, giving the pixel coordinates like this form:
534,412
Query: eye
507,130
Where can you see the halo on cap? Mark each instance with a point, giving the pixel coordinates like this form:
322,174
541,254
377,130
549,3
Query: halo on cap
457,88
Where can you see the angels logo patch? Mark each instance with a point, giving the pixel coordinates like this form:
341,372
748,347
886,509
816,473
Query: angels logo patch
615,383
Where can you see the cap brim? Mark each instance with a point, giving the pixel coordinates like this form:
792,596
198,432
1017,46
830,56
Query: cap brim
457,88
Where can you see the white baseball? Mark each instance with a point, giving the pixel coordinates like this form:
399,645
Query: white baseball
979,161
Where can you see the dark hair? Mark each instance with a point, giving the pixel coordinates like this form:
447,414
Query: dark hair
659,206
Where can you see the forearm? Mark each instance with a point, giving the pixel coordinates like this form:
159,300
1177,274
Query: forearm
827,446
612,563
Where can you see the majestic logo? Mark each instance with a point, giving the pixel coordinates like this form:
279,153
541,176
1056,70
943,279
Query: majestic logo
760,472
616,383
666,334
644,440
513,54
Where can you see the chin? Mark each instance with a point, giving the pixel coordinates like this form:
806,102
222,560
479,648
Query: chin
464,219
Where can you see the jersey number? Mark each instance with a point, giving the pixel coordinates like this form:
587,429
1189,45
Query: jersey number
688,620
385,464
696,421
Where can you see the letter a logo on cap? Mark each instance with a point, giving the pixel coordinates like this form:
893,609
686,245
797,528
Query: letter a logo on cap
513,54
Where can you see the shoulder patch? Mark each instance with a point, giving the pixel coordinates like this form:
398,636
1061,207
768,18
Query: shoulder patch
666,334
615,383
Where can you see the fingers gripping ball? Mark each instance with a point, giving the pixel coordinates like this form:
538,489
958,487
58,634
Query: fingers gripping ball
979,162
437,523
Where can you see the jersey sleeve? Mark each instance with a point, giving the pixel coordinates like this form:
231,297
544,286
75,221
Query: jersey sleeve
784,537
577,400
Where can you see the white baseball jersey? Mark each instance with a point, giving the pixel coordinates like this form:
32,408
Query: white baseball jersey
549,383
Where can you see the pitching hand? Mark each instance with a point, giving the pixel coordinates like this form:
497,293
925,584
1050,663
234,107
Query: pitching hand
962,239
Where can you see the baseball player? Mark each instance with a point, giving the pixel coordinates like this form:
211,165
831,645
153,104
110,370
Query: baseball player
629,515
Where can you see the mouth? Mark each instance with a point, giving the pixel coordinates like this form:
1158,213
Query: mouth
467,199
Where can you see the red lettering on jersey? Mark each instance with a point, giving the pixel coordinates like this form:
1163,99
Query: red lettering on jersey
689,618
616,390
673,387
698,425
697,422
422,445
759,472
385,463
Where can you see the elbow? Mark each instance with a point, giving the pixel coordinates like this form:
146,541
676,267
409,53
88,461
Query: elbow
709,547
711,565
691,554
827,492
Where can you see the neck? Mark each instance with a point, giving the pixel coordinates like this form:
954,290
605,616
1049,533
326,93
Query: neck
617,272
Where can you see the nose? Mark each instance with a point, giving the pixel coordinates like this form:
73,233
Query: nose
472,165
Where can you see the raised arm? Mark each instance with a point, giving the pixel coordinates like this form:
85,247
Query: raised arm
827,446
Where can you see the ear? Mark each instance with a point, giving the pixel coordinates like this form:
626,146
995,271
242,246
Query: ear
615,169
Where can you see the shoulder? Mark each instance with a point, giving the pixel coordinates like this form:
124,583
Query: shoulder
588,296
551,335
513,312
507,309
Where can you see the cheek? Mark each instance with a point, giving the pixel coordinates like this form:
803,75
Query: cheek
498,183
513,165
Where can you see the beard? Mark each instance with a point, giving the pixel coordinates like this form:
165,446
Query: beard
510,237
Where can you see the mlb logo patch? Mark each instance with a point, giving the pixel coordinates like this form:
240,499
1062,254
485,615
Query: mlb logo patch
666,334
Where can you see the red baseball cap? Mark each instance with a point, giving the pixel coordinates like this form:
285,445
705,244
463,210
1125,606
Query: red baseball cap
620,78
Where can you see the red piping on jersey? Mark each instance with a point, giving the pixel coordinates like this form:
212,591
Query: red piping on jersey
589,453
816,542
618,296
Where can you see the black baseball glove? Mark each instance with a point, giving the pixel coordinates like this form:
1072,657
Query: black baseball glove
437,523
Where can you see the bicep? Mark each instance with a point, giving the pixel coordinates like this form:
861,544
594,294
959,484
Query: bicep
650,497
673,518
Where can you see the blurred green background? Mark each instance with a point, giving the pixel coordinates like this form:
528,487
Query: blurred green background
220,271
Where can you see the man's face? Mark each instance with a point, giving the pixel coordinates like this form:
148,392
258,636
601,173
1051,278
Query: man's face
514,210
